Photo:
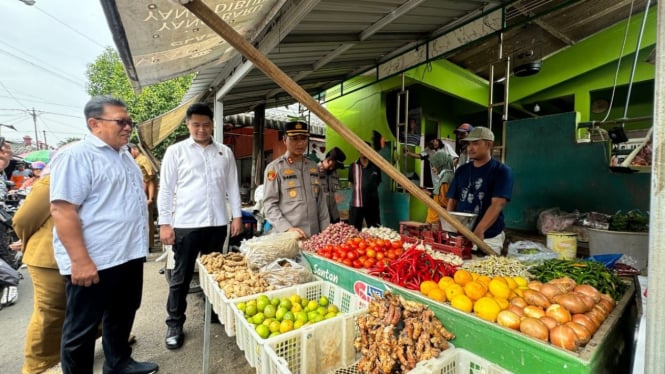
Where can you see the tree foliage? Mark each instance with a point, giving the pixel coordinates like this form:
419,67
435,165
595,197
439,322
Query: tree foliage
106,76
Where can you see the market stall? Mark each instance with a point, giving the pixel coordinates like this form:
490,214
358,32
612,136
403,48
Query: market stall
496,312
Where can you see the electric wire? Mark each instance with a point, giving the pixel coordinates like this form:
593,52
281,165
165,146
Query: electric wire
34,58
43,68
12,95
69,27
616,74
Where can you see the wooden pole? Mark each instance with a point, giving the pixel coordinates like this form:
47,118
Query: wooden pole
205,14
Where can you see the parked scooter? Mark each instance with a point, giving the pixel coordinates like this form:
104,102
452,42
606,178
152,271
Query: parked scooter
10,260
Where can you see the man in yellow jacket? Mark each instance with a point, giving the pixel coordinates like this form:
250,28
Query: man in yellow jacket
34,226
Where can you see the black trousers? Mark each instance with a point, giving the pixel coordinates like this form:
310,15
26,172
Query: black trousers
113,302
369,213
188,244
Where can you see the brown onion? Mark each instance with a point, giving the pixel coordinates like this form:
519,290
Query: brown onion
534,328
564,337
589,290
517,310
583,334
608,297
607,304
585,321
536,298
601,310
549,322
588,301
559,313
567,284
572,302
519,301
509,319
550,290
534,311
535,285
596,316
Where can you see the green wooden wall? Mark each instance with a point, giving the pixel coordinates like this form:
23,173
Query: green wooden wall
552,170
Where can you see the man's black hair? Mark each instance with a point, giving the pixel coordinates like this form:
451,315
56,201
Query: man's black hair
200,109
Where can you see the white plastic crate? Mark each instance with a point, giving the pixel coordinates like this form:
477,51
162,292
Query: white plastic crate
216,297
451,361
254,346
319,348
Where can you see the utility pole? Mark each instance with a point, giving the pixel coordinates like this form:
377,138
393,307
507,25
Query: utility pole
45,144
34,121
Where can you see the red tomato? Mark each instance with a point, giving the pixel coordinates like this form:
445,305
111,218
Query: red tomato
371,253
391,254
360,250
357,264
362,258
351,255
396,244
348,262
357,239
399,251
362,245
380,242
380,256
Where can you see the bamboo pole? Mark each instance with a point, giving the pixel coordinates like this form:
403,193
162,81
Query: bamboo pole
205,14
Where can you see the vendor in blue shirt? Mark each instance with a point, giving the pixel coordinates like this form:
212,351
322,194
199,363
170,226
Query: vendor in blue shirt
484,187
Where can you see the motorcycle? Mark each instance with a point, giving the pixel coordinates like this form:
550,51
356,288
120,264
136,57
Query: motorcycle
10,260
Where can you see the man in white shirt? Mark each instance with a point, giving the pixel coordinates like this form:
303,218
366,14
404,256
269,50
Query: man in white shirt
197,176
100,240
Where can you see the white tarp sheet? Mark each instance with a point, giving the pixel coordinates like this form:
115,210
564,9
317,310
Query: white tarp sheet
161,39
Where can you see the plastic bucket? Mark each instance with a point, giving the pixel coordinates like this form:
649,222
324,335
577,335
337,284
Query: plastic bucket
563,243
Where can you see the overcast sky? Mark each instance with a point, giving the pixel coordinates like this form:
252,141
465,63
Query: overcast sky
44,51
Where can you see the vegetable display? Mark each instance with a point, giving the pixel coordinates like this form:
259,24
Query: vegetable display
582,272
395,334
362,253
385,233
497,266
335,234
233,276
412,268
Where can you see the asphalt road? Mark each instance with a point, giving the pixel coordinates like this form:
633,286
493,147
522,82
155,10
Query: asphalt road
149,328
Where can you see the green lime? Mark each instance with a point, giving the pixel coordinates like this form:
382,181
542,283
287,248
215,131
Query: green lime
250,310
288,316
323,301
269,311
322,310
301,316
241,307
275,301
312,305
258,318
298,324
331,308
285,326
263,331
304,302
274,326
330,315
273,334
281,311
285,302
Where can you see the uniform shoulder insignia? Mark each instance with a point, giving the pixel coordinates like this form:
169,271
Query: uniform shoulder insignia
271,175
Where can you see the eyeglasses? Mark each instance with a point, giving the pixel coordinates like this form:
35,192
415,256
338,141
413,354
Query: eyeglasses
120,122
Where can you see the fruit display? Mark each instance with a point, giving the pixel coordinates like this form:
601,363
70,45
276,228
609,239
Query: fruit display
587,272
335,234
278,315
235,279
560,311
395,334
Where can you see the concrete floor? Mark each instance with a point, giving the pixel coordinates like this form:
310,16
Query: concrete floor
149,328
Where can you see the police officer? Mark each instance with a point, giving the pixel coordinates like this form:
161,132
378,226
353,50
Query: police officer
293,199
330,180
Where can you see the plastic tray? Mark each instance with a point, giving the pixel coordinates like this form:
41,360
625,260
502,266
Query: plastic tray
451,361
254,346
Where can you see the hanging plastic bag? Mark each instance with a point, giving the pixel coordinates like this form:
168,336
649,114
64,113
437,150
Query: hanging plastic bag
262,250
555,220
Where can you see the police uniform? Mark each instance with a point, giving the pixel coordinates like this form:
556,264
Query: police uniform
329,185
293,196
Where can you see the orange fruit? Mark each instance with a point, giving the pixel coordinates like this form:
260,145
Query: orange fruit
519,292
462,277
484,279
445,282
454,290
475,276
427,285
521,281
475,290
503,303
437,294
510,282
462,302
487,309
499,288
